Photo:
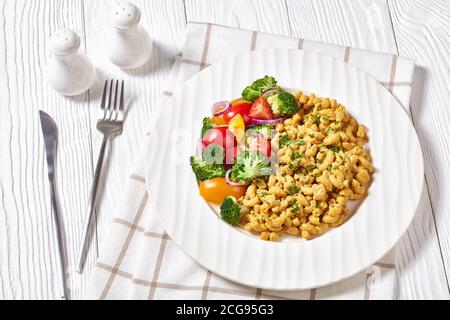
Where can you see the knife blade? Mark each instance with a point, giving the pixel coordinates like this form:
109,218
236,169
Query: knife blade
50,133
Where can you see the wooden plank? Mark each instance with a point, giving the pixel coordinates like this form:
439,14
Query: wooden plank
28,248
354,23
363,24
268,16
421,29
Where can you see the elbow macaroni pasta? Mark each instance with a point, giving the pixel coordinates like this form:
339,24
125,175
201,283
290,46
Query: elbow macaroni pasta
324,165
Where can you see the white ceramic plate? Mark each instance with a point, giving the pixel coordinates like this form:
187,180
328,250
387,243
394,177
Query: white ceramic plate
287,265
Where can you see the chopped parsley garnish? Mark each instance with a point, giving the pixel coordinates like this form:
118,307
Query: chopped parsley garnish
284,141
311,135
330,168
309,169
301,142
291,203
317,120
297,155
317,206
325,118
295,208
293,189
336,149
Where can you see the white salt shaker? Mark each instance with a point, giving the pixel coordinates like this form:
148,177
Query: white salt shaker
68,71
128,45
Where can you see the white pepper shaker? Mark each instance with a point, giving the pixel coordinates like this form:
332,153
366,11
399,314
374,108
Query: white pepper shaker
68,71
128,45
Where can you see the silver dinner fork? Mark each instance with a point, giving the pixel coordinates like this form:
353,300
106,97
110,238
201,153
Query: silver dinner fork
110,124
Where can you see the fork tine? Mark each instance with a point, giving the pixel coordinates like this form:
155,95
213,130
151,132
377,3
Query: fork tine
108,108
116,104
102,105
105,88
121,105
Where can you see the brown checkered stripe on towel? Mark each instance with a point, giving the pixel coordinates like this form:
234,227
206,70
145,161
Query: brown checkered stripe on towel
106,274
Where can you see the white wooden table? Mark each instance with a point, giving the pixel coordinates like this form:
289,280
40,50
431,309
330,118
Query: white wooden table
28,251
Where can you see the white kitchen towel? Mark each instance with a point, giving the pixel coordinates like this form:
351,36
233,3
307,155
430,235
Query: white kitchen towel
140,261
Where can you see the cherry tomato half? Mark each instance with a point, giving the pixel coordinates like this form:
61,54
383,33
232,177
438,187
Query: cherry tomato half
240,106
221,136
261,109
217,189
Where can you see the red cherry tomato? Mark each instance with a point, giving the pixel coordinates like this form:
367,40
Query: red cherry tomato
240,106
221,136
263,146
261,109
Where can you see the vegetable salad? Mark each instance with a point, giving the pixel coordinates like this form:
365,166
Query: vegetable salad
237,143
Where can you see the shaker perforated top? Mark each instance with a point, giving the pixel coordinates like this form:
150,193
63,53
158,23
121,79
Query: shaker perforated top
125,15
64,42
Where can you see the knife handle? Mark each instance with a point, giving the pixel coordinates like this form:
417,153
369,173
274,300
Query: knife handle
91,206
60,237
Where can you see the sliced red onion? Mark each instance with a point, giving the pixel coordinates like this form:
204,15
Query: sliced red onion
220,108
265,121
231,183
266,92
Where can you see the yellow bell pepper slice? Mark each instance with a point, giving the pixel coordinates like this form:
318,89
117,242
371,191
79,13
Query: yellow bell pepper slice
237,127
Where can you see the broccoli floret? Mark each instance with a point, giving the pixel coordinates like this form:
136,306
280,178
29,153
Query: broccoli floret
206,126
230,211
283,104
252,92
204,170
213,154
250,165
264,129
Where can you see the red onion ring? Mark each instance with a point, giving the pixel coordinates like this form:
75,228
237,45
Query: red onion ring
220,108
266,92
265,121
231,183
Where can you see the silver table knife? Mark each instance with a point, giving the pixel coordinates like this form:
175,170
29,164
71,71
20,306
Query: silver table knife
50,133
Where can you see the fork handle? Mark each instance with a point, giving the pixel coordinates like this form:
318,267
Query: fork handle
91,207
